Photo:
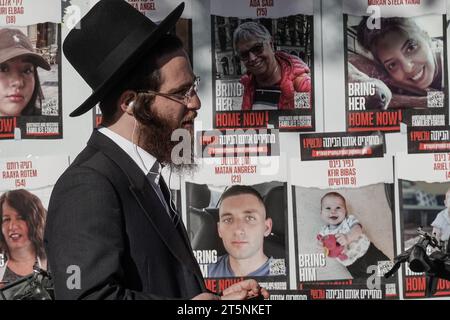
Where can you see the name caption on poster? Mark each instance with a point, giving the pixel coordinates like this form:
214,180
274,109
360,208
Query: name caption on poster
235,167
441,163
11,8
341,172
261,6
143,5
391,2
19,171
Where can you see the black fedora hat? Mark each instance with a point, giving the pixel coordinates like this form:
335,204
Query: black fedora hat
112,38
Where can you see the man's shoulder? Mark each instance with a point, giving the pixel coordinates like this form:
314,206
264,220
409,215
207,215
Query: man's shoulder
90,164
89,157
99,155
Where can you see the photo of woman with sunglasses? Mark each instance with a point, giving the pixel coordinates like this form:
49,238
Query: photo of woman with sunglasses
272,77
263,67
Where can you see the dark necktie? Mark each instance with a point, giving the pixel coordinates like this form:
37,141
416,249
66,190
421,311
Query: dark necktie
156,180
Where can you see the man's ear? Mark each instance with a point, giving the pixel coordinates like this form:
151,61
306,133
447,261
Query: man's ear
218,230
268,224
127,101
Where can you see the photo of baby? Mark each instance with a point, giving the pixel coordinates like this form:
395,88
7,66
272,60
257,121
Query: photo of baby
351,229
357,252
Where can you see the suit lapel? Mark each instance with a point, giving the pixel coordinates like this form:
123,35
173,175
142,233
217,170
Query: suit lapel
148,201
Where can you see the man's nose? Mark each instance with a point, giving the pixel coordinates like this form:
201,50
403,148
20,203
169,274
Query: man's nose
194,102
239,228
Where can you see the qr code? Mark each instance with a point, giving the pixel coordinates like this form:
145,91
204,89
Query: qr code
301,100
391,288
277,267
435,99
384,267
50,107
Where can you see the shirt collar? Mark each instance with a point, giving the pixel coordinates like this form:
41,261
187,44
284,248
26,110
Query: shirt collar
142,158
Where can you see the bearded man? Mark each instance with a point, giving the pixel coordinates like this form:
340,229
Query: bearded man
112,230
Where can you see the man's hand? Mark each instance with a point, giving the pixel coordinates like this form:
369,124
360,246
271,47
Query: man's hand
244,290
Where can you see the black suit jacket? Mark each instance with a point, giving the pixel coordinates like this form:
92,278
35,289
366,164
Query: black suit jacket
105,220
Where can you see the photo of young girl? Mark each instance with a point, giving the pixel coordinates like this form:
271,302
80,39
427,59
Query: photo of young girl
404,57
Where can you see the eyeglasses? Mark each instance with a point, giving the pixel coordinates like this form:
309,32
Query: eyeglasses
180,98
257,49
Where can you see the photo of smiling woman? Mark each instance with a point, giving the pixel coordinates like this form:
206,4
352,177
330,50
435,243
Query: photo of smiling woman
402,56
263,65
268,69
20,88
21,240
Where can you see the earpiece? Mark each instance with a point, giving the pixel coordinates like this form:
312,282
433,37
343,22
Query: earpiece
130,107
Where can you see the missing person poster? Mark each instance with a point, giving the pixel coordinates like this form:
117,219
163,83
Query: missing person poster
25,187
342,206
157,10
396,65
423,203
262,53
236,210
30,41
